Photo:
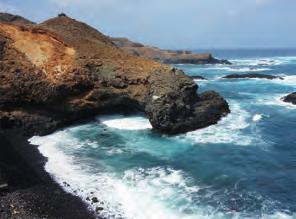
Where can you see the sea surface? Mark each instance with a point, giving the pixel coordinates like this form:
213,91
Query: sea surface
242,167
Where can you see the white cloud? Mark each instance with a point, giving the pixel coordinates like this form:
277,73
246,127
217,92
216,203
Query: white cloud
9,8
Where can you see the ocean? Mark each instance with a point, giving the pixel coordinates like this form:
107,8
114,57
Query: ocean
242,167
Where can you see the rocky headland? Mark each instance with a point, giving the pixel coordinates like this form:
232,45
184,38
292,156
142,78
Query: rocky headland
165,56
291,98
61,71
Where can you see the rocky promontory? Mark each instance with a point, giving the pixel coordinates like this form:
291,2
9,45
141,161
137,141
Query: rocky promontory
291,98
165,56
63,70
253,75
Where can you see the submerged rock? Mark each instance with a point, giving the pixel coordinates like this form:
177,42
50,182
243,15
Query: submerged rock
68,70
253,75
291,98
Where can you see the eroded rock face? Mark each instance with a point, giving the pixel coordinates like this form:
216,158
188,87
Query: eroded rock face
291,98
165,56
63,70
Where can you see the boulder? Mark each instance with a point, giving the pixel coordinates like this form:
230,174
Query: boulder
291,98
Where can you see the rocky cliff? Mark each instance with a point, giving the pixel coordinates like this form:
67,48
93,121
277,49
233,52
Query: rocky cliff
165,56
63,70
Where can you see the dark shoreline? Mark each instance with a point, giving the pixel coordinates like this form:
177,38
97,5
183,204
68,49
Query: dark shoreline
31,191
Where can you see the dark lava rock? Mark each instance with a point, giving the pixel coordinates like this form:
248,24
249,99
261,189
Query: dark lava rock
291,98
253,75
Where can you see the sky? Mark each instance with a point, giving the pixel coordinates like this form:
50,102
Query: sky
177,24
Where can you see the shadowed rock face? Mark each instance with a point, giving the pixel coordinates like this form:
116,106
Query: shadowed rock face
264,76
63,70
15,19
165,56
291,98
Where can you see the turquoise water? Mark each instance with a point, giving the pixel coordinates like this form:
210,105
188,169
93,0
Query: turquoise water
243,167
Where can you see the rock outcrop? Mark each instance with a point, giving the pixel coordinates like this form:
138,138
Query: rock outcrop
165,56
14,19
262,76
63,70
291,98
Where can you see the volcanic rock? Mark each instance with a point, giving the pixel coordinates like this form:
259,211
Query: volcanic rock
63,70
291,98
165,56
253,75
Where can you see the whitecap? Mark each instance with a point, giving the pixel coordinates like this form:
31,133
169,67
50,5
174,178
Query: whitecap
287,80
227,131
276,100
262,61
137,194
244,69
125,122
257,117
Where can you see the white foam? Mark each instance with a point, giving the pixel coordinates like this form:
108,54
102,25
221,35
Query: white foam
278,215
276,100
262,61
138,194
126,123
245,69
257,117
288,80
227,131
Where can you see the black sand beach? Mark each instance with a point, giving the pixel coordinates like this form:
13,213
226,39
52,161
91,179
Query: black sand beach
27,191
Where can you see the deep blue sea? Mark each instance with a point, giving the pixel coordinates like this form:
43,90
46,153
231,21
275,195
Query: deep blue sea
242,167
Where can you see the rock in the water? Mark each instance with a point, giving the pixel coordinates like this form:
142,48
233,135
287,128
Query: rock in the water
68,70
253,75
198,77
291,98
166,56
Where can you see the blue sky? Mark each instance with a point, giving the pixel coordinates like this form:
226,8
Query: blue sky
190,24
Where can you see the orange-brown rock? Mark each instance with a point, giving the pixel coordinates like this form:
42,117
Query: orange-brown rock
165,56
63,70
